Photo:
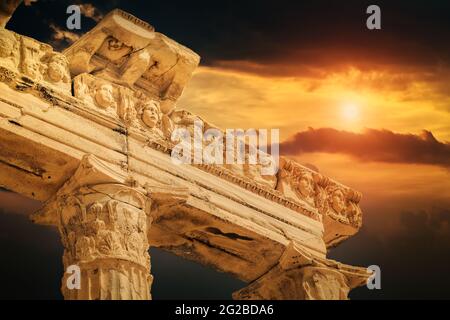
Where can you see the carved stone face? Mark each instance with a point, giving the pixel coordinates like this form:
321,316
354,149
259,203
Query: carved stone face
151,113
56,69
32,69
306,185
104,96
338,201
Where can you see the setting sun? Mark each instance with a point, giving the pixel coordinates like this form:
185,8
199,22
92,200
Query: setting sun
350,112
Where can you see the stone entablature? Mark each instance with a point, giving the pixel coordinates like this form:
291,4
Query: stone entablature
283,194
287,180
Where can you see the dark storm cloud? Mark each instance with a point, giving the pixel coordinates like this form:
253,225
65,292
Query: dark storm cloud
414,260
291,38
371,145
277,37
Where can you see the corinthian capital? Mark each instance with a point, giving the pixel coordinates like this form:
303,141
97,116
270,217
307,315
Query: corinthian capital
301,276
103,219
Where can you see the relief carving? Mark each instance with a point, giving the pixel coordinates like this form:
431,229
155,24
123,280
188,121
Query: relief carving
308,283
103,96
133,108
330,198
324,284
9,49
149,112
296,182
138,58
343,204
336,200
32,53
301,276
34,59
58,70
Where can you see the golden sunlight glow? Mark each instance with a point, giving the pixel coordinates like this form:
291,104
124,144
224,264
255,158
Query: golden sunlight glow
348,100
350,112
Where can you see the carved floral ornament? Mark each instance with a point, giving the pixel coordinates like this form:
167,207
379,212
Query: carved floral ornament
103,228
104,221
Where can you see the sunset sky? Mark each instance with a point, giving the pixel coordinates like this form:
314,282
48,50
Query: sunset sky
369,108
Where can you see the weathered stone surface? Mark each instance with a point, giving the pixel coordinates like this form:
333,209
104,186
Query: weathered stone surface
127,51
337,204
100,160
300,276
34,60
103,222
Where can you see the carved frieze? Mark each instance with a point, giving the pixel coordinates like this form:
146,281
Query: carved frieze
35,60
332,199
296,182
134,108
9,49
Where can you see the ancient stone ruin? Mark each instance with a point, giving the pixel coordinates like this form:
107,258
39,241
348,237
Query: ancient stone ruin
88,132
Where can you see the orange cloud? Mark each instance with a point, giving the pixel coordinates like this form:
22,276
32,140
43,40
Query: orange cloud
90,11
401,101
60,35
372,145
